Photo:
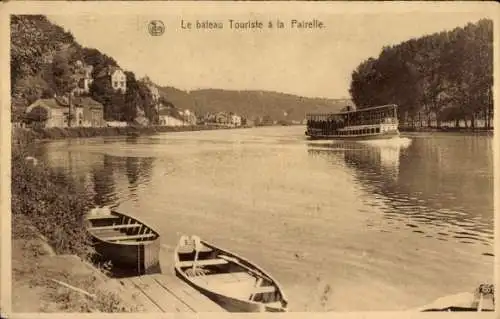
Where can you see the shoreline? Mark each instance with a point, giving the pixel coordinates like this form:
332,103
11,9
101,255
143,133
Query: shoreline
481,130
51,251
48,282
26,135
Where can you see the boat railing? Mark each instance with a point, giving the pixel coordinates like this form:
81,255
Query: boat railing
320,123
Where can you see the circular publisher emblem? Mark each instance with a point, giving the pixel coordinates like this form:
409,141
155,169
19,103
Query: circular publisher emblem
156,27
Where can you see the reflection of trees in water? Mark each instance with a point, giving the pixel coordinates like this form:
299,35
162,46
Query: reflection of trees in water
132,170
101,173
436,181
373,164
138,169
147,168
104,185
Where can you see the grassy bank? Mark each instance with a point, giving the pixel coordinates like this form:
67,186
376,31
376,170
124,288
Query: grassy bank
50,243
37,274
24,135
444,129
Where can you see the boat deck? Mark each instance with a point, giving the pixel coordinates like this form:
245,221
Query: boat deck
165,292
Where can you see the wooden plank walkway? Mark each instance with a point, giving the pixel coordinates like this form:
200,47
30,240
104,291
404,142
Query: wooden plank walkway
166,293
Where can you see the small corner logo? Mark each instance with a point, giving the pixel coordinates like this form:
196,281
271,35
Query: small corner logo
156,27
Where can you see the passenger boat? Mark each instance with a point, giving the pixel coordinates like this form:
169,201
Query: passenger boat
229,280
380,122
128,243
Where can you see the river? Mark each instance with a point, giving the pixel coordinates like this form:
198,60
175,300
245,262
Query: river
342,226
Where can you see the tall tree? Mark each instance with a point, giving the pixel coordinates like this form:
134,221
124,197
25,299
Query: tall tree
443,76
65,77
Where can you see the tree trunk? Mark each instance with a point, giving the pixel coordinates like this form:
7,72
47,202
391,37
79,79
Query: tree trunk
487,118
70,111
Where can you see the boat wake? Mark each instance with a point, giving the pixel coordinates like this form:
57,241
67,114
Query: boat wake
394,142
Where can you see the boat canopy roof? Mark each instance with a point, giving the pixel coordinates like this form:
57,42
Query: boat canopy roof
363,110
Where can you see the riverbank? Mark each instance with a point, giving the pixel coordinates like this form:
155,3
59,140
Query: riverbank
27,135
51,269
445,130
43,281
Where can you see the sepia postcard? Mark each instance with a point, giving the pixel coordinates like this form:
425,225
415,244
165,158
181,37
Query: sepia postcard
221,159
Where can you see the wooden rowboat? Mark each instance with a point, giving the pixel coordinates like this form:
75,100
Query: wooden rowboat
128,243
229,280
482,299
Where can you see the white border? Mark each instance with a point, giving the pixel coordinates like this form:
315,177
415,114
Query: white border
178,7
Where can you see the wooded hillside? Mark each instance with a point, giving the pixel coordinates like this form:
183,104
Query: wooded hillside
43,63
447,76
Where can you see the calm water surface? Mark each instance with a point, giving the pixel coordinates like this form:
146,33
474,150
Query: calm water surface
343,226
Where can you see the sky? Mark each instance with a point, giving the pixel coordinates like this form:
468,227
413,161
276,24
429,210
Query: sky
311,63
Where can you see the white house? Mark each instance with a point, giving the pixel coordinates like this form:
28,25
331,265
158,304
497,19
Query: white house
116,76
167,120
189,117
235,120
116,123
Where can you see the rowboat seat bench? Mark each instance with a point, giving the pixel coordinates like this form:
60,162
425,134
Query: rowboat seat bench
103,217
203,262
190,249
264,289
125,237
114,227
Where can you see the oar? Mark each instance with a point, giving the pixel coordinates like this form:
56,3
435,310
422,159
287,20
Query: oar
197,248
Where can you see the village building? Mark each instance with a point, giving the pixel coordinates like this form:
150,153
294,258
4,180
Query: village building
116,123
235,120
189,117
54,112
166,117
224,119
116,76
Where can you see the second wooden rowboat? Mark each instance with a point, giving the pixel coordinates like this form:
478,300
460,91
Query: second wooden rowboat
229,280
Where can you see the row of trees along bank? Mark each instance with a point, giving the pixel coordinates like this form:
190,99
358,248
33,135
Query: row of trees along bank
443,77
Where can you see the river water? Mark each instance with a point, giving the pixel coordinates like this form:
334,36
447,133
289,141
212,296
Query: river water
342,226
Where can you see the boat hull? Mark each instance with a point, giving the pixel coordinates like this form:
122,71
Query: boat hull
128,256
226,300
366,137
139,259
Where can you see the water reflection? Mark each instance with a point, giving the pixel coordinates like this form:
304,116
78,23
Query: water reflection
429,186
104,184
100,173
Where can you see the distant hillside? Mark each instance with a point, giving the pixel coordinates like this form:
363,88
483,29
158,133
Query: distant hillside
251,104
